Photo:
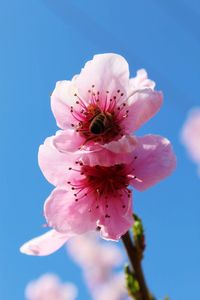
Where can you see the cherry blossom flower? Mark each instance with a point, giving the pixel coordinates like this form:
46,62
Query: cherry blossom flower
113,289
49,287
102,104
191,135
96,258
90,197
99,260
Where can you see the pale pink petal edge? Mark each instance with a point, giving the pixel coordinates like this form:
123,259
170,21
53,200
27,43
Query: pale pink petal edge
45,244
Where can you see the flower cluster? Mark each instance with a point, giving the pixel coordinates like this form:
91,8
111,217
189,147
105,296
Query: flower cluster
99,262
113,289
97,259
95,159
48,286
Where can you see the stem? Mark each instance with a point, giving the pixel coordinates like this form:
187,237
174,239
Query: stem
136,265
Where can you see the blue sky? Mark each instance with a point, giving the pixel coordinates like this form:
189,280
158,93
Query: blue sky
43,41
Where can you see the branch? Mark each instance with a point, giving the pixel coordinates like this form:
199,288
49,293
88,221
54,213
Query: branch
136,267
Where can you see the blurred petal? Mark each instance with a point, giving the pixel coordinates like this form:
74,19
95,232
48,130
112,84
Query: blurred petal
45,244
113,289
191,134
49,287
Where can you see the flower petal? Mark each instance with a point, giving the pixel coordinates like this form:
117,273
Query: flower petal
105,155
117,218
62,99
68,140
110,154
54,164
124,145
154,160
141,81
45,244
107,72
66,215
190,134
143,105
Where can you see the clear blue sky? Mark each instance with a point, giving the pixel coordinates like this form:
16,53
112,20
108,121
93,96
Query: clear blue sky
43,41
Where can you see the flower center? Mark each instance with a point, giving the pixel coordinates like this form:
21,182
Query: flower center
106,180
98,126
100,120
102,182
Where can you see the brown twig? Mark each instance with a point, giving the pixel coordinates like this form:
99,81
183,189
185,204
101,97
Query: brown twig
136,266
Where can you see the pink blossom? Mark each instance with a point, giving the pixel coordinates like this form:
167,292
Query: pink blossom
49,287
90,197
113,289
97,259
102,91
191,134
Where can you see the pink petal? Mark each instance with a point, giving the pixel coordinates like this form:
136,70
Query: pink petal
45,244
105,155
109,154
49,287
141,81
54,164
116,220
191,134
143,105
154,160
124,145
107,72
62,99
66,215
68,140
114,288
